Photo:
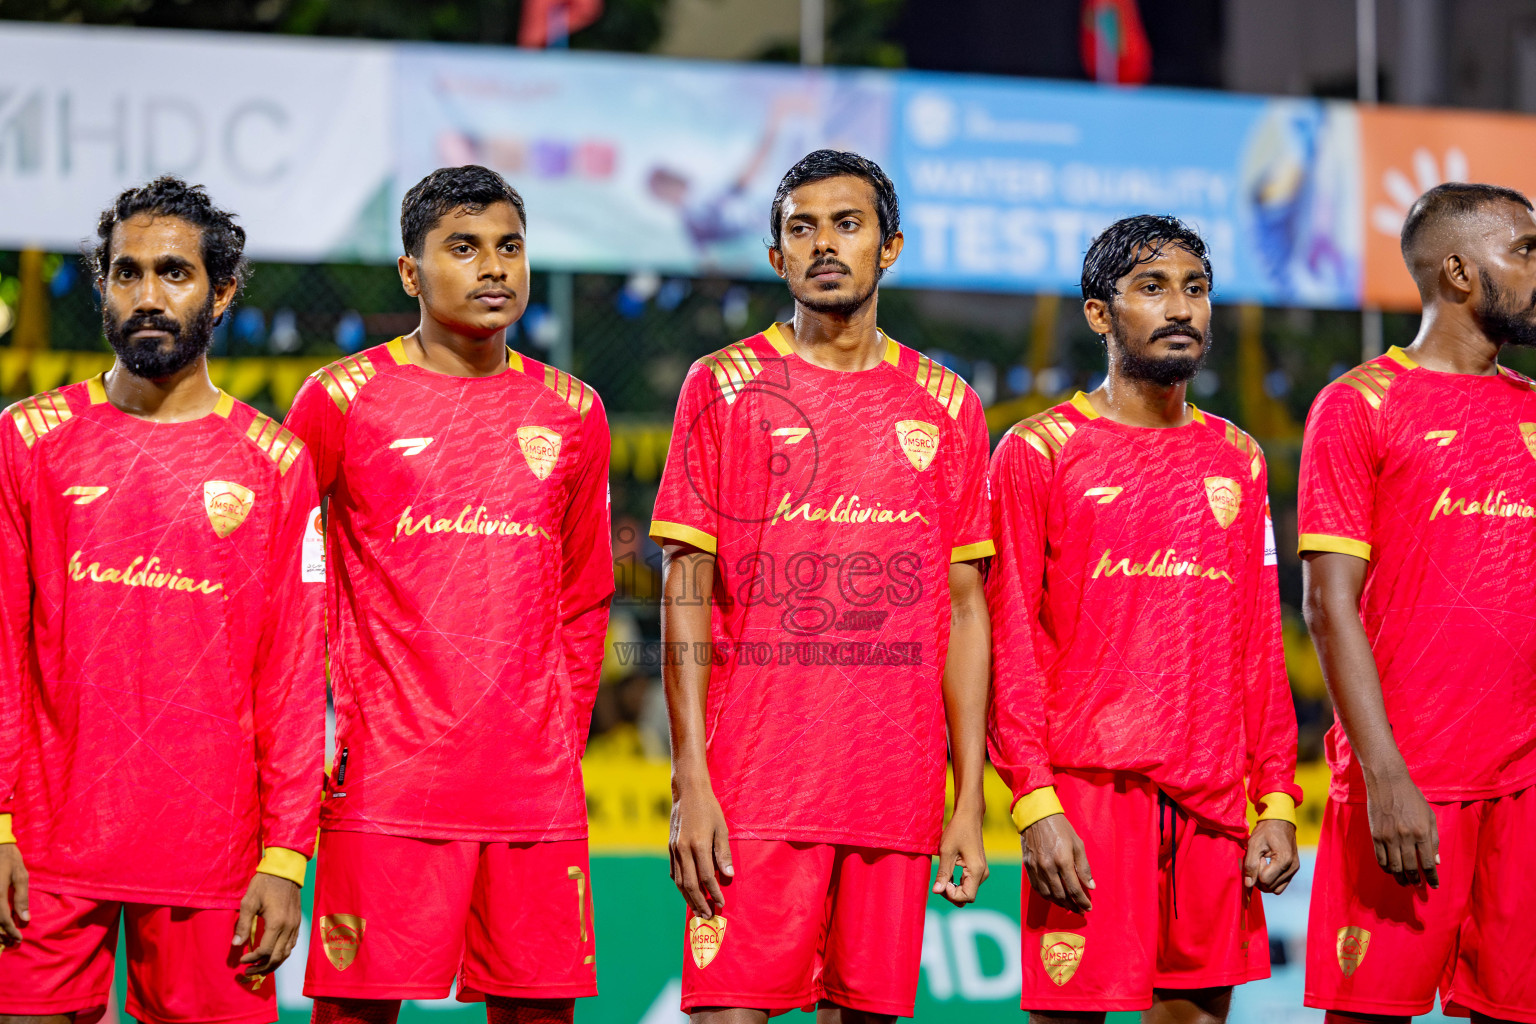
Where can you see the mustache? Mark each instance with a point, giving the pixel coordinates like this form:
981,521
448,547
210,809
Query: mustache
493,289
151,322
1176,330
828,263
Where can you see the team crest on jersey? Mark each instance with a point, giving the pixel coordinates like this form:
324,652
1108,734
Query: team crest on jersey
919,440
1062,954
341,936
1225,496
541,449
1528,435
1353,941
705,939
227,504
84,495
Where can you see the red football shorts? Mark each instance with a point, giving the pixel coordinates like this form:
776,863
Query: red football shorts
803,922
398,918
1374,946
1169,908
181,966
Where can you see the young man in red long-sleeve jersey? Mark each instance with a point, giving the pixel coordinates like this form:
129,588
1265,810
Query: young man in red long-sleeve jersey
162,696
1417,508
1138,671
470,577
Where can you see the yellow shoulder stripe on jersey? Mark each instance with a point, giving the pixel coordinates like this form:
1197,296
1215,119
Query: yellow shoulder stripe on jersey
1046,432
96,389
780,343
734,367
574,393
344,378
1372,379
39,414
514,359
1238,439
276,440
1081,404
942,383
396,350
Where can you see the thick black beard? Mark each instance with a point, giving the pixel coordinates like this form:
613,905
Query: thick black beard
1502,320
833,307
150,361
1165,371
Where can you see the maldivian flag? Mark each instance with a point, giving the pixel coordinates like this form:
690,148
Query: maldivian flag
544,20
1114,43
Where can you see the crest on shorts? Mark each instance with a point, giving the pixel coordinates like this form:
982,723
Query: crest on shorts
341,936
705,939
227,504
919,440
1061,953
541,449
1352,943
1225,496
1528,435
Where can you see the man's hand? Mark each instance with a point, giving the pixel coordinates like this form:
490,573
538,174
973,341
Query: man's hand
1403,828
701,851
276,901
13,893
961,844
1272,859
1057,864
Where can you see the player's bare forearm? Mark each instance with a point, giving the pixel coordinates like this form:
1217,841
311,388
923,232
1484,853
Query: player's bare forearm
966,668
688,576
1333,583
1403,826
699,845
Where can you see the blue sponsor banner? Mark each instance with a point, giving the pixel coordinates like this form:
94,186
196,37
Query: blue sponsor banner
1004,183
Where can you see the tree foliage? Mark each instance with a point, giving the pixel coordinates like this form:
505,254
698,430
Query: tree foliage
624,25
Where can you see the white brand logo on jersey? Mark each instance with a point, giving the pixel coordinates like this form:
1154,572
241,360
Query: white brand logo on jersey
1441,437
411,445
1104,494
84,495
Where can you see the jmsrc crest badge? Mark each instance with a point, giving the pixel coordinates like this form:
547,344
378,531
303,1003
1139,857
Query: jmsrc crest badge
227,504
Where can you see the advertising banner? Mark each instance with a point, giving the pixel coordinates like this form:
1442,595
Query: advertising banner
631,162
1406,152
1004,184
292,135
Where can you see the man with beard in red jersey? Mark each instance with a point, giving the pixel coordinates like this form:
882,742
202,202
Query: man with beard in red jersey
162,695
1418,523
470,577
1139,677
825,523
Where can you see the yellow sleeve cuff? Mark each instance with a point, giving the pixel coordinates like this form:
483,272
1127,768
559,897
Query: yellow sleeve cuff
289,864
6,835
1339,545
1277,807
1034,805
969,552
662,531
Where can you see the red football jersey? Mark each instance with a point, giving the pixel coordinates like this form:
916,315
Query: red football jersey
834,503
162,693
1432,477
470,569
1136,611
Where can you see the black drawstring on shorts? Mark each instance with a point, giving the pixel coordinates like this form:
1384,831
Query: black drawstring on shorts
1172,809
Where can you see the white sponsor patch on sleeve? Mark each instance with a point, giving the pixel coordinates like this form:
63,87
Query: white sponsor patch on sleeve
313,554
1271,555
